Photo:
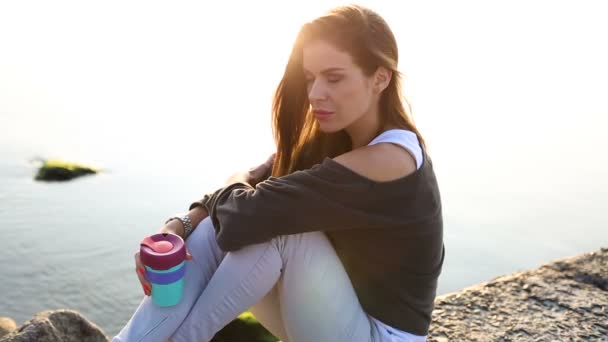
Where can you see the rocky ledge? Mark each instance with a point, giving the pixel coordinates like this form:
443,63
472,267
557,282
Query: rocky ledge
565,300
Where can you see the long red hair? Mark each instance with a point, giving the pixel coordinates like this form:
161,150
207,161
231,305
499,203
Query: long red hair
368,39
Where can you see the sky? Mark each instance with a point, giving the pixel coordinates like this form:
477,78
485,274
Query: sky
116,80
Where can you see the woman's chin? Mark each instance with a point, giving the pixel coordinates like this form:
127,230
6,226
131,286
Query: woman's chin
327,127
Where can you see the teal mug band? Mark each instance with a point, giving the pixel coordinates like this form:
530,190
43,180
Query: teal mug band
167,294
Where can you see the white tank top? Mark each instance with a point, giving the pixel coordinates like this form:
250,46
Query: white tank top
404,138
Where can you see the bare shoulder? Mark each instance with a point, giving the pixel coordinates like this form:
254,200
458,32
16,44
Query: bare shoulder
381,162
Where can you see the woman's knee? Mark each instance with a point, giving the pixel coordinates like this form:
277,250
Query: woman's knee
307,238
309,242
200,232
202,241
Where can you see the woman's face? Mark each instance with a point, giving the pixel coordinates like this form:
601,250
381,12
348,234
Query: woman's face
338,90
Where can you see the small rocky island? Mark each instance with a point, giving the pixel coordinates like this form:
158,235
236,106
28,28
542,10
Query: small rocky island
57,170
564,300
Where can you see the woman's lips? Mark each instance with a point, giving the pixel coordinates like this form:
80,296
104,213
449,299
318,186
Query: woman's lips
322,114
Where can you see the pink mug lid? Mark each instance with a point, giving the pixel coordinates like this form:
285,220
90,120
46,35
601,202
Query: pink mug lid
162,251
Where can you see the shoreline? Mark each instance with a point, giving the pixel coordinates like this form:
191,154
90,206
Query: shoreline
564,299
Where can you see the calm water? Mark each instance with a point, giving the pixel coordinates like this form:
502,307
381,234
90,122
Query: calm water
514,116
71,245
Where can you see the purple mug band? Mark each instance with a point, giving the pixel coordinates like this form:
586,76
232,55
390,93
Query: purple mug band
166,278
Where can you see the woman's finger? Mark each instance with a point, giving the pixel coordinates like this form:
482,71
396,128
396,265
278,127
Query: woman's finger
145,285
271,159
140,270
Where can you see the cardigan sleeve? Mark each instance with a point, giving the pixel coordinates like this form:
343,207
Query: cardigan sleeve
315,199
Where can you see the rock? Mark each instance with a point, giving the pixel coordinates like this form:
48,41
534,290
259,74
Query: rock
6,326
54,170
57,326
69,325
565,300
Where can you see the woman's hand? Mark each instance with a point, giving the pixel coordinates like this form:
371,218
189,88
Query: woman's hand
256,174
139,266
263,171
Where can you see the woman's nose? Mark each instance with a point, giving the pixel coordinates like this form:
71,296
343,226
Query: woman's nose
317,91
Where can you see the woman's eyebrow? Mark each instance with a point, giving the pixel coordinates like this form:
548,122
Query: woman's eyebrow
326,71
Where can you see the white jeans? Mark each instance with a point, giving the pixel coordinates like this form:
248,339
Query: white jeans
295,285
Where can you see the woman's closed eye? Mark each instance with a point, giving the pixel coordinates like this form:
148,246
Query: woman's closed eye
334,78
330,79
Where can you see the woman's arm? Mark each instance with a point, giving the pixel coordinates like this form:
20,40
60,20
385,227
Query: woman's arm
322,198
196,215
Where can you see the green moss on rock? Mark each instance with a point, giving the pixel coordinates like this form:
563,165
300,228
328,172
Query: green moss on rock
57,170
244,328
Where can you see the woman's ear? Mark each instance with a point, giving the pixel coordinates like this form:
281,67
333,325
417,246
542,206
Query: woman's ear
382,78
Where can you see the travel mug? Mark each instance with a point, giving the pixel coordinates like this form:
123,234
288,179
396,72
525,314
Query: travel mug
164,257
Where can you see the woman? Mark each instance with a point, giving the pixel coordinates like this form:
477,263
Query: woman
337,237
